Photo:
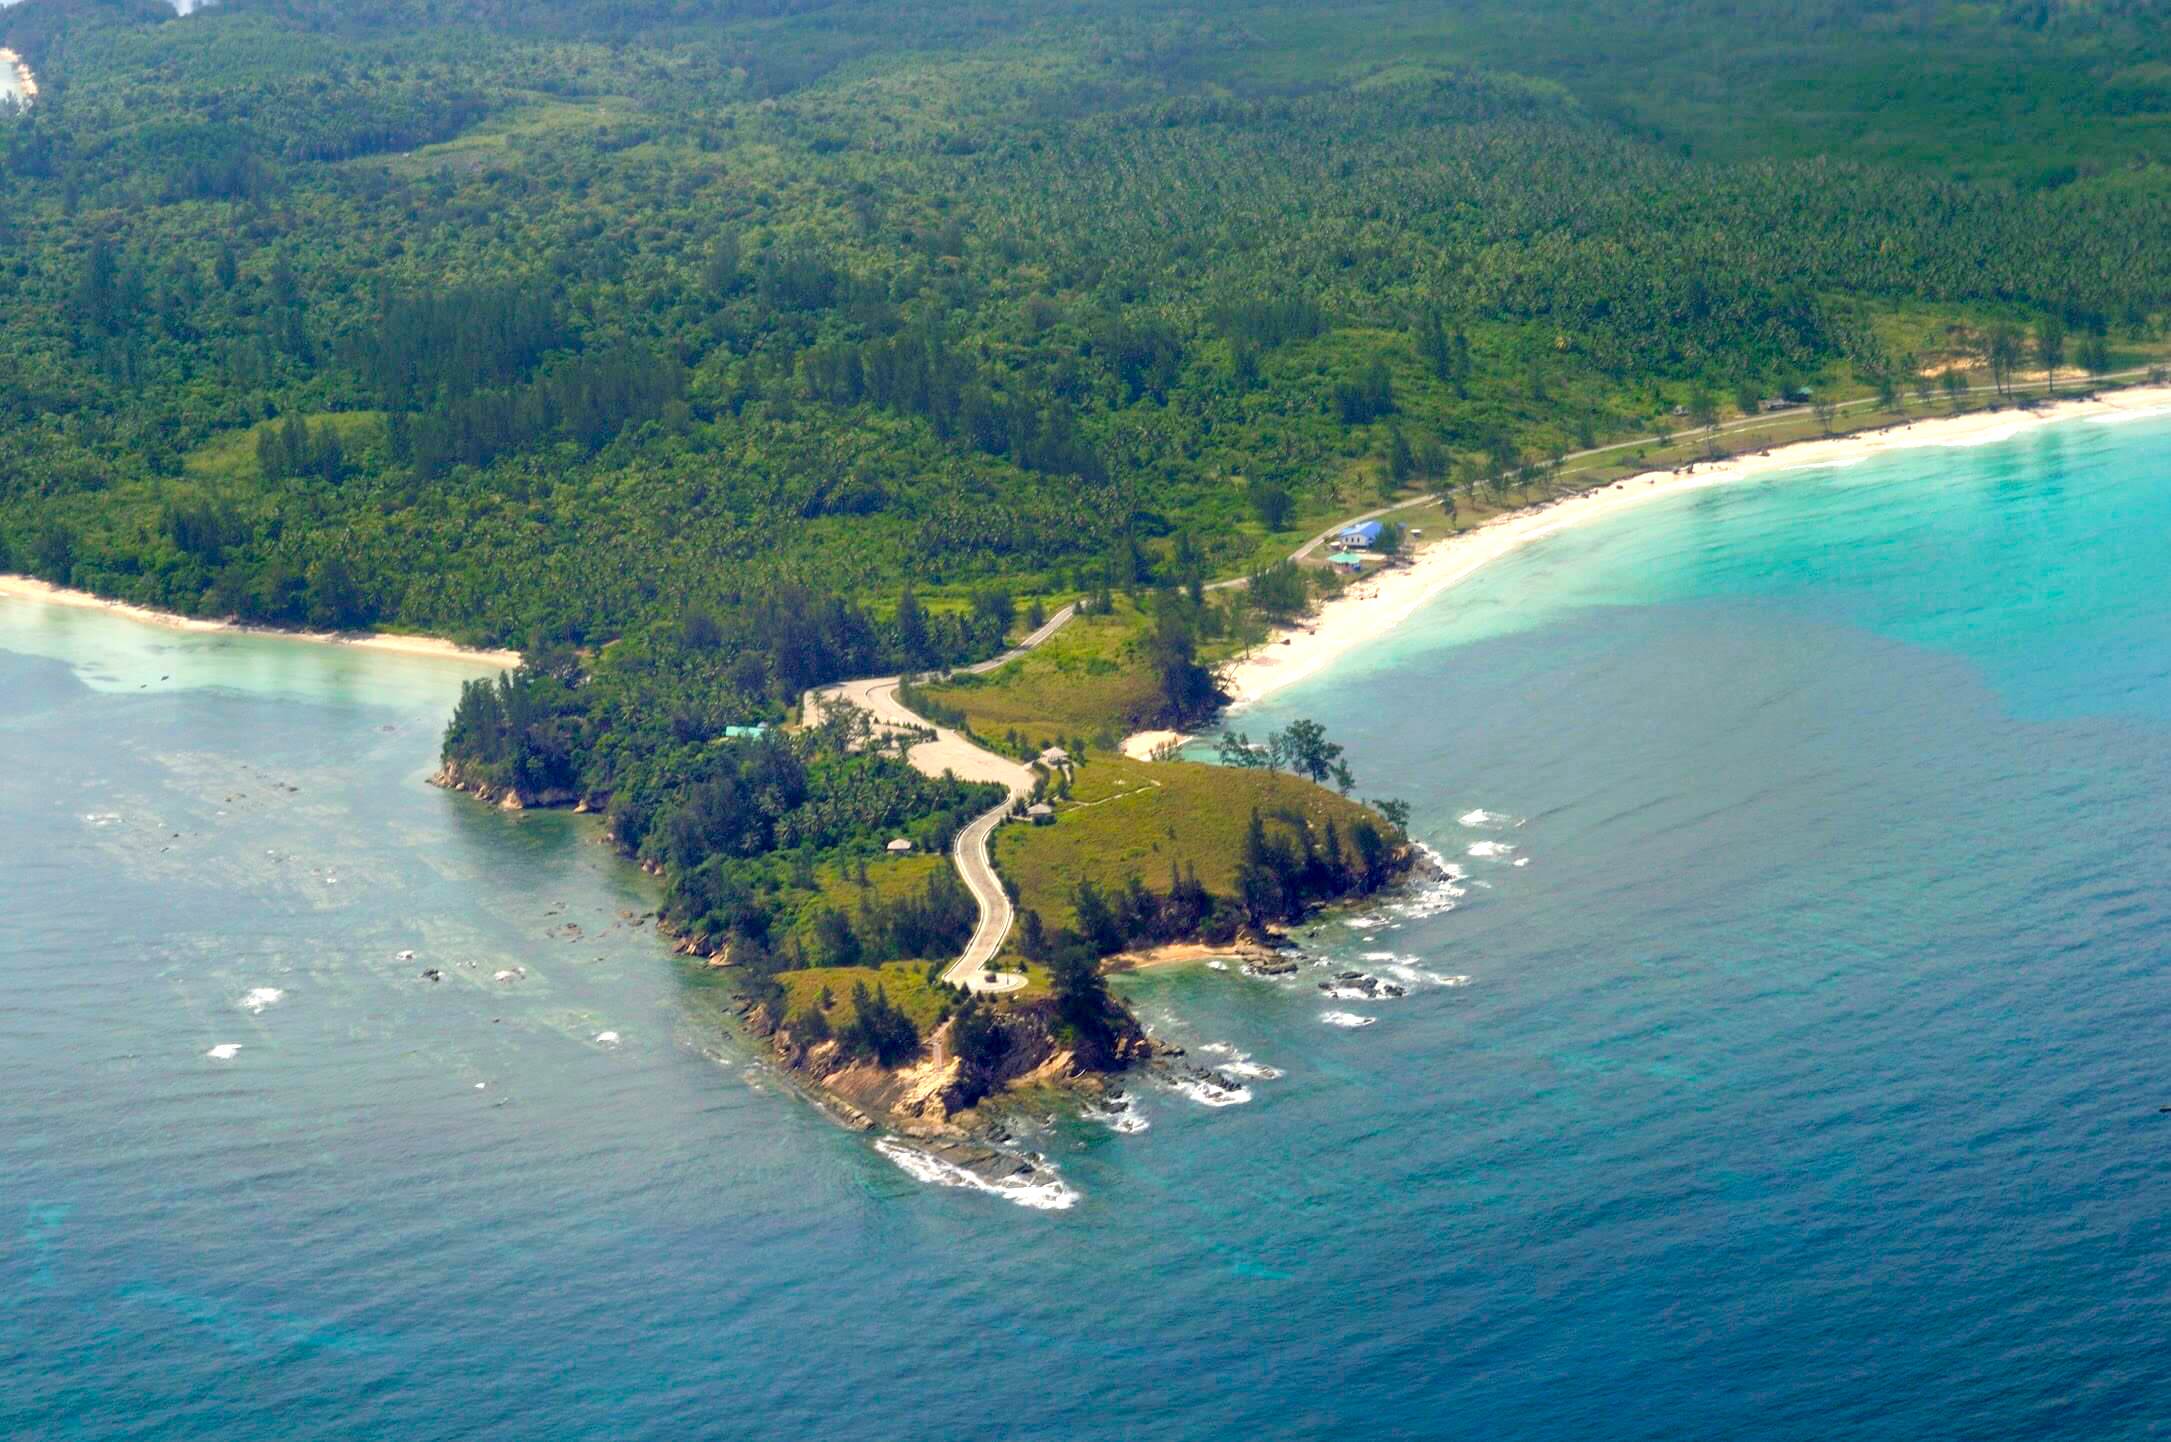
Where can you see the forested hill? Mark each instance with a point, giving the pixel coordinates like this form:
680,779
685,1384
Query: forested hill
709,329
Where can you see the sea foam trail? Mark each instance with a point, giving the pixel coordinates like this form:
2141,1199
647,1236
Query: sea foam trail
1406,970
1049,1195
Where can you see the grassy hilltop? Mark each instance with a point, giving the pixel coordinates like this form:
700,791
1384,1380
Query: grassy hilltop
710,351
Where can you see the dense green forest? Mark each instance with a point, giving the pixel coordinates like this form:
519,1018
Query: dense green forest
711,349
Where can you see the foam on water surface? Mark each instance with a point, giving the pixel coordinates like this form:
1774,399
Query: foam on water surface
1048,1194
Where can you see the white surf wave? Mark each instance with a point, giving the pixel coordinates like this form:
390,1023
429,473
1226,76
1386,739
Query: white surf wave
1346,1018
1049,1195
1120,1115
606,1038
259,997
1239,1063
1208,1094
224,1051
1485,850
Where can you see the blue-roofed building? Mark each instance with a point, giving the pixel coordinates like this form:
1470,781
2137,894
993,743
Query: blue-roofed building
747,733
1361,536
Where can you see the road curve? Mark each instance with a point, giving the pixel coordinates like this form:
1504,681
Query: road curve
952,751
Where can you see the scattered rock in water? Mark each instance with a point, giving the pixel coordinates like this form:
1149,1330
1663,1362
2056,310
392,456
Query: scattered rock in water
431,973
1026,1179
1354,984
1271,966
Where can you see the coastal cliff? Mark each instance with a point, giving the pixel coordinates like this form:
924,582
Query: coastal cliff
452,775
948,1088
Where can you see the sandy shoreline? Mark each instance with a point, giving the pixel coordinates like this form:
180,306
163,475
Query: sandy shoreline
1182,953
1377,604
28,588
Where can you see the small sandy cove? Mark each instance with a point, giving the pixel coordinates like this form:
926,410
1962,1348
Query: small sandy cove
26,588
1371,607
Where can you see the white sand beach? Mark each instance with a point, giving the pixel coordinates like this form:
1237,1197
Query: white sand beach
28,588
1376,604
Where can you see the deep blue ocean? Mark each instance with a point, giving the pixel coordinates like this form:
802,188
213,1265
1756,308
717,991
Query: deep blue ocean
1789,1066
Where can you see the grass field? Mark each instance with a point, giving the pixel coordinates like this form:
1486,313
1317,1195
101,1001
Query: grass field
888,879
231,455
498,138
1134,818
1085,681
905,982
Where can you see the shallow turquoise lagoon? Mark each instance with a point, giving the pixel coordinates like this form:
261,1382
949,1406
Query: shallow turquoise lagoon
1789,1064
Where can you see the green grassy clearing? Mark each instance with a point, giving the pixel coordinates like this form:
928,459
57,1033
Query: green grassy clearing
231,456
1133,818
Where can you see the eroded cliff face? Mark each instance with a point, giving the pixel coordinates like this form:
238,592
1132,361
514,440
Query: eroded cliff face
453,777
940,1095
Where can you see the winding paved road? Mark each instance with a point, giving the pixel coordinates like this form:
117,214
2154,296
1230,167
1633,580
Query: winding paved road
951,751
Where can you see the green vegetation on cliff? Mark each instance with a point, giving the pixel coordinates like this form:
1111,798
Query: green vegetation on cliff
713,350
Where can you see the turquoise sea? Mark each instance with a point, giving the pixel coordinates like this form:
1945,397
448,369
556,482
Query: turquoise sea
1789,1066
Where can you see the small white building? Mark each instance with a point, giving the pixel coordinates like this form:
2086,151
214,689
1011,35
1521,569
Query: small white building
1055,756
898,846
1040,813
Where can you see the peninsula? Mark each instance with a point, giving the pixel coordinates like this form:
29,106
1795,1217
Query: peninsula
877,434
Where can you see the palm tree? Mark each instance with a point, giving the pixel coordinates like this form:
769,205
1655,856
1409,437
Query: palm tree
2004,355
1955,382
2050,347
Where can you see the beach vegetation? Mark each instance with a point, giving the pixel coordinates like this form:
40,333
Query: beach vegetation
710,352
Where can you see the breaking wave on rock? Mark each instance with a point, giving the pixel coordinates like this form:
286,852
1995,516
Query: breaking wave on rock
1041,1190
1239,1063
1120,1115
1406,970
1209,1093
